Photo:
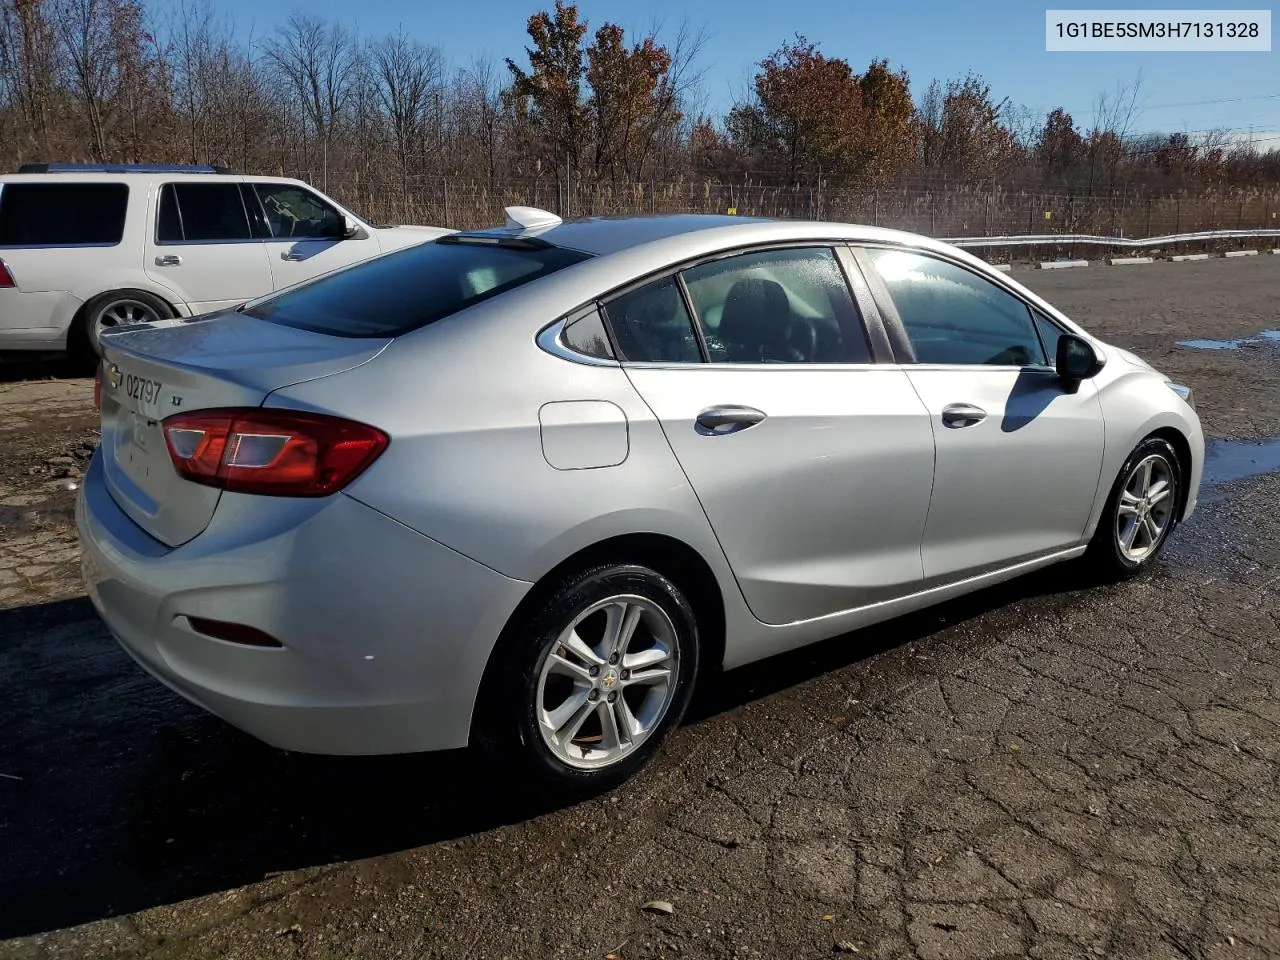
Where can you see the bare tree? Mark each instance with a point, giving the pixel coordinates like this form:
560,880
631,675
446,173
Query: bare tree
1114,115
316,60
95,79
28,58
190,51
85,38
405,72
483,94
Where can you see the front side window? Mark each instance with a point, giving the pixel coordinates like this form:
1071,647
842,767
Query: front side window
398,292
777,306
953,316
1050,334
62,214
297,214
201,212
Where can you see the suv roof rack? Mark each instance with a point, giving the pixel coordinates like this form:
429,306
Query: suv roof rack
118,168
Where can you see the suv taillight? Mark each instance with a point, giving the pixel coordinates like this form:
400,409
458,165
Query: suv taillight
284,453
6,278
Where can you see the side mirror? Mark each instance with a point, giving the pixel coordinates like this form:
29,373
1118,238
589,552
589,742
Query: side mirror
1076,360
350,228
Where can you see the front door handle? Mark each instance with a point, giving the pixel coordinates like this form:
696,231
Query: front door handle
172,260
727,418
286,255
962,415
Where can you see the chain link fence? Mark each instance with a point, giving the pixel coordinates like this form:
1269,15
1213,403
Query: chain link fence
946,212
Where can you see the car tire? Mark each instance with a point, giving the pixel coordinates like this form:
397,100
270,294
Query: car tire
542,682
1123,545
114,308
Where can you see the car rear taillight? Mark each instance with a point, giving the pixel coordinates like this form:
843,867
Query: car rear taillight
97,386
6,278
285,453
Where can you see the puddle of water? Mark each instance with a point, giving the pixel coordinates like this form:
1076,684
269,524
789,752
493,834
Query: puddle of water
1272,336
1229,460
1212,344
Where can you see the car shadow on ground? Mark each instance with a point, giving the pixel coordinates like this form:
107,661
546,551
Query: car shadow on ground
21,366
116,796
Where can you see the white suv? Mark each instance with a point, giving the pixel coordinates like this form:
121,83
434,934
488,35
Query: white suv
87,247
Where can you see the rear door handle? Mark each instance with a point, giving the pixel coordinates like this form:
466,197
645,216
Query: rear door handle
172,260
727,418
286,255
962,415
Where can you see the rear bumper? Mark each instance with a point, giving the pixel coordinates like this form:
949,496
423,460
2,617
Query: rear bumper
35,320
386,633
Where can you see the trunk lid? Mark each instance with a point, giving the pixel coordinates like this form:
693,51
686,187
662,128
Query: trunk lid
177,366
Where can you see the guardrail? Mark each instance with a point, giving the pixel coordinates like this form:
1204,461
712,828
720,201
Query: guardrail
1070,239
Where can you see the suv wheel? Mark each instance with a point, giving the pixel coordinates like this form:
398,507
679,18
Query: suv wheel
117,308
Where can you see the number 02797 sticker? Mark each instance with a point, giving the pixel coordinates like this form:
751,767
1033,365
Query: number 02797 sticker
141,389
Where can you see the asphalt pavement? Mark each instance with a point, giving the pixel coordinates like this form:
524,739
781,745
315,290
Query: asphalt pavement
1044,769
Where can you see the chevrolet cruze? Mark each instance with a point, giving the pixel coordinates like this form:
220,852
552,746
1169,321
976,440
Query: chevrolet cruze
524,486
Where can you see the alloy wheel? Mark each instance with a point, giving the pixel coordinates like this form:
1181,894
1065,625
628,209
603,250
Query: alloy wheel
606,682
1145,510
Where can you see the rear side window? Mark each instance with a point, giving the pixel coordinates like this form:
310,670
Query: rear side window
777,306
653,326
402,291
586,335
62,214
201,212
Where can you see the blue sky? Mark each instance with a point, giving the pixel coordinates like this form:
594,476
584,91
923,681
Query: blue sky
1001,39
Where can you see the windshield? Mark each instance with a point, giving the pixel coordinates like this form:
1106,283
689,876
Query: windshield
393,294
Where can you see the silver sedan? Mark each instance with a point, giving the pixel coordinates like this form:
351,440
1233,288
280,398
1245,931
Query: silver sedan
523,487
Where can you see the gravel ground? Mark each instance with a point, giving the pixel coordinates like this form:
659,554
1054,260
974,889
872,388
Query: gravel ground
1039,770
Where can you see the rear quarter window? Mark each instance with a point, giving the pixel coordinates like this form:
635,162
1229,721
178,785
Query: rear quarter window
62,214
402,291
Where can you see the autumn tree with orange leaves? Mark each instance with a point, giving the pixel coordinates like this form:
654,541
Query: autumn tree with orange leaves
631,99
808,113
399,128
550,93
812,115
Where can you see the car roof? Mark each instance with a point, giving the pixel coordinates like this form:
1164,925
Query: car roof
140,176
603,236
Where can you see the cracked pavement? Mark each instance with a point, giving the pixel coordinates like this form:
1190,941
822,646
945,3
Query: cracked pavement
1044,769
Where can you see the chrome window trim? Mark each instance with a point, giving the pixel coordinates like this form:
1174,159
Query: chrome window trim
549,340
